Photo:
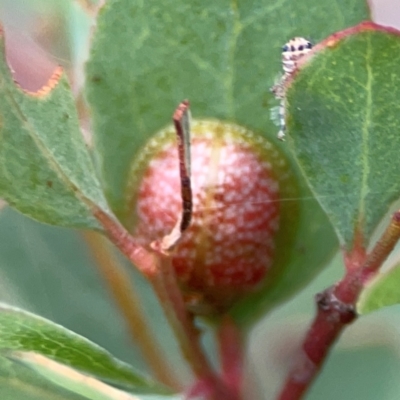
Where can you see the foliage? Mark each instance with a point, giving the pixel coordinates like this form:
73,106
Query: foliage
145,57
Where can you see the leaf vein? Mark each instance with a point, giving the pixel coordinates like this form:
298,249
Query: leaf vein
365,133
54,165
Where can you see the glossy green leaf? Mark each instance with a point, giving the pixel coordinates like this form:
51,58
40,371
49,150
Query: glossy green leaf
45,168
23,331
224,57
382,291
343,125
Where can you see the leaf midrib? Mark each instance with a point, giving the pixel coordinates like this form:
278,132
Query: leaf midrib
364,190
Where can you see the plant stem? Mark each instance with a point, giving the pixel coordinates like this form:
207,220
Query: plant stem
158,271
208,384
128,302
188,335
144,260
336,308
230,343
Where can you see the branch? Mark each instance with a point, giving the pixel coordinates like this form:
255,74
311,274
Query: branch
231,352
129,303
336,308
157,268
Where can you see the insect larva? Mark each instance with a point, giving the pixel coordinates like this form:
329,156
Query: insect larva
292,51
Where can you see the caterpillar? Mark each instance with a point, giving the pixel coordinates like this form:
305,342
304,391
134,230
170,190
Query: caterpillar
292,51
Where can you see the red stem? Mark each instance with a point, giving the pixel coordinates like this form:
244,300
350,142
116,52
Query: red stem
162,279
129,303
188,335
336,308
145,261
230,342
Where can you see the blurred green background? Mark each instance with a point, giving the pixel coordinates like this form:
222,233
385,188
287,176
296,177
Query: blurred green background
52,272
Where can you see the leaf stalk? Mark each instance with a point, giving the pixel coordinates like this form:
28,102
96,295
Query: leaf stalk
336,308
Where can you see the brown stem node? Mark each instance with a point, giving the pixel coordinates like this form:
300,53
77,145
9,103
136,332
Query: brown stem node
327,302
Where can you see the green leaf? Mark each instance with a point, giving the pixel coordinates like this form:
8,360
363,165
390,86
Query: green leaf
50,271
382,291
376,366
45,168
25,332
223,56
18,382
29,376
343,121
73,380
